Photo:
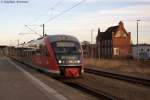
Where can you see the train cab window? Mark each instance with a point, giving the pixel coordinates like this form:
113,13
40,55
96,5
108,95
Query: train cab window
44,51
38,52
67,47
41,51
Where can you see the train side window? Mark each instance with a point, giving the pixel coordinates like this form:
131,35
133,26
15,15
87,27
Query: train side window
45,52
38,53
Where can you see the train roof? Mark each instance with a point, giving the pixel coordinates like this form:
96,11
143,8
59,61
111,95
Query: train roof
3,46
54,38
51,39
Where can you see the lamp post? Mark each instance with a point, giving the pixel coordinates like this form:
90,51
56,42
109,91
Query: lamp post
18,42
43,30
137,22
91,43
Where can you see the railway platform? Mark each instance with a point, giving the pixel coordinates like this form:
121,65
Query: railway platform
18,84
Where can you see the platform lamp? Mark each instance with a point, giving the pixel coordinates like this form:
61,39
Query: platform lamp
137,22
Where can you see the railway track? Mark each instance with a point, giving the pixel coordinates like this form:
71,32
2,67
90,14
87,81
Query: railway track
89,90
131,79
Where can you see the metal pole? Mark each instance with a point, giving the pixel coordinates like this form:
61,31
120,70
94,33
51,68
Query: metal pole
18,42
137,39
43,30
91,36
91,43
99,49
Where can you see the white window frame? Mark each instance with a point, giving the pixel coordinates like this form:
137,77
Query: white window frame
116,51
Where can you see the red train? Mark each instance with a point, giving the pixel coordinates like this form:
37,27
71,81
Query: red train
57,54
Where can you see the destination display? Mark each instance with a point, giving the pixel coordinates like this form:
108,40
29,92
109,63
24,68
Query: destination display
65,44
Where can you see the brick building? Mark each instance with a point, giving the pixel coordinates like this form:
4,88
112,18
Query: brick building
115,42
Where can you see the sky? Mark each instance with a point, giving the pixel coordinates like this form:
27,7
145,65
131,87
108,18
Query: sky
76,20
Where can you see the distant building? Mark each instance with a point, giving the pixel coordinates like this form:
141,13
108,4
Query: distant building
115,42
2,49
86,46
89,50
141,52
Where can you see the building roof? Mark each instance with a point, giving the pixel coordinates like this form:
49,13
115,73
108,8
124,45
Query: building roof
2,46
85,43
109,32
144,44
112,29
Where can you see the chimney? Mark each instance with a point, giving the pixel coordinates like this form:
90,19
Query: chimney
121,24
99,32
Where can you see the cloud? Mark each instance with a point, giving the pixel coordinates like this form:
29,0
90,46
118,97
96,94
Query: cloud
137,9
80,25
80,21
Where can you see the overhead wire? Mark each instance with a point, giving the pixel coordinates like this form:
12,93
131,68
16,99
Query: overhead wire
65,11
58,3
51,8
60,14
48,11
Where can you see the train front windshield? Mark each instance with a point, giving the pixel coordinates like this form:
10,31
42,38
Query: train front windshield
67,52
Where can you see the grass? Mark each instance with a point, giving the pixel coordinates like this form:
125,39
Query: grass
123,65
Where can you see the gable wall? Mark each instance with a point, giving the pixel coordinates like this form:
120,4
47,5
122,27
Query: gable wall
121,41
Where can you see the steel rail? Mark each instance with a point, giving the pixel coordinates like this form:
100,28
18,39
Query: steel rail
92,91
131,79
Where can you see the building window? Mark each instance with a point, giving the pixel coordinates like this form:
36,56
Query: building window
102,42
105,42
104,50
148,50
109,42
116,51
110,50
142,50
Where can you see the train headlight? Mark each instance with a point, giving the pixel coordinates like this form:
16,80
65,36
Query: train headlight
59,61
71,61
78,61
82,70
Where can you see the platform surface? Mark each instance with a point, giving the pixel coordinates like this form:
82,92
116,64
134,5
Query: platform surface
17,84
